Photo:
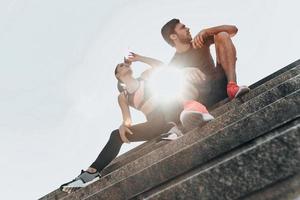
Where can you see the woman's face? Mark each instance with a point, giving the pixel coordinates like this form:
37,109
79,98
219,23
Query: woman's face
122,70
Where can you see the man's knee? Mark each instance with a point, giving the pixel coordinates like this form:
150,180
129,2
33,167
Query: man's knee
222,36
191,91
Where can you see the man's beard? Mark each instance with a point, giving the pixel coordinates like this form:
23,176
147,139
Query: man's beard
185,40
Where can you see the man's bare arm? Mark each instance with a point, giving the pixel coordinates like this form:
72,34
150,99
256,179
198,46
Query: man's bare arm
206,36
230,29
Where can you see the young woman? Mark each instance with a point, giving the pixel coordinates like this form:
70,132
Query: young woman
134,92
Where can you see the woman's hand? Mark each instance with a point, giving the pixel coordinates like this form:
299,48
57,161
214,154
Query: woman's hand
133,57
127,122
123,130
127,61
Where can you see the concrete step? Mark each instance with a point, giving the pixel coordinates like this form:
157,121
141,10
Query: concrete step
286,189
215,138
267,159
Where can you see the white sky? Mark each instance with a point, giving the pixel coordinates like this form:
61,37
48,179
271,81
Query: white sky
58,93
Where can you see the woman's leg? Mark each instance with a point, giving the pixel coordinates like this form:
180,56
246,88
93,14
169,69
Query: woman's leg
108,153
141,132
148,130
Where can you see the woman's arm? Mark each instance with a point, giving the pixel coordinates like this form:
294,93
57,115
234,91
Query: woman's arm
124,109
133,57
154,63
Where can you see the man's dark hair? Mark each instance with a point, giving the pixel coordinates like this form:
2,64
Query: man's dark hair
168,29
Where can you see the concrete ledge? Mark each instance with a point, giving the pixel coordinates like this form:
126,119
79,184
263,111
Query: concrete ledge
263,161
286,189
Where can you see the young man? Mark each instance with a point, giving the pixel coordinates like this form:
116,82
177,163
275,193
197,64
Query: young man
194,54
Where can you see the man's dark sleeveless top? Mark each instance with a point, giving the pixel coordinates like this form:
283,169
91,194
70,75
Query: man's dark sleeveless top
199,58
140,96
213,89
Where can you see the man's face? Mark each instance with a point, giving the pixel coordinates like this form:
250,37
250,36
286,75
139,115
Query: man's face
183,33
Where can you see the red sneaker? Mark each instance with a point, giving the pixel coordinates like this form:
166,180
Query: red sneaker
234,91
193,114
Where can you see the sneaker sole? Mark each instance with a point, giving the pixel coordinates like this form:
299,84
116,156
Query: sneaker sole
199,117
170,138
242,91
72,188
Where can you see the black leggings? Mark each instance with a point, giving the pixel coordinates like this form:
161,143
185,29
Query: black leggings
156,124
109,152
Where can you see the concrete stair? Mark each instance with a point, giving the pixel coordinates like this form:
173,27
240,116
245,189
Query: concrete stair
250,148
258,163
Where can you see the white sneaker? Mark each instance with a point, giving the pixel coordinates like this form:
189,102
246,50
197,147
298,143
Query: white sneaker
173,134
194,114
85,178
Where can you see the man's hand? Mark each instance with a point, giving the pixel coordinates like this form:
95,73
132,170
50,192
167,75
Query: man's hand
123,130
194,75
200,38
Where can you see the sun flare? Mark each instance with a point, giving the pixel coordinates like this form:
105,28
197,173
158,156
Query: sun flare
166,83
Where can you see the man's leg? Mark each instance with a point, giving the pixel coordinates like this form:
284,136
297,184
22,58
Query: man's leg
226,54
194,112
226,57
190,92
